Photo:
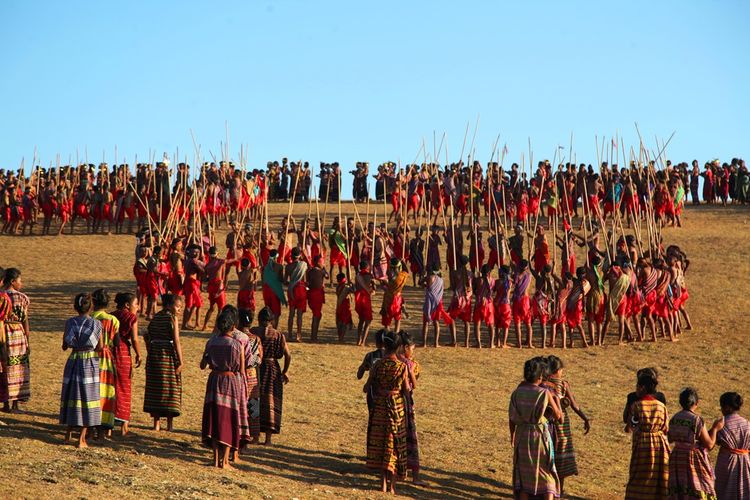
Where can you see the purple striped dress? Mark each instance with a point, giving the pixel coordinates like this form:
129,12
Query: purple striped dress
733,462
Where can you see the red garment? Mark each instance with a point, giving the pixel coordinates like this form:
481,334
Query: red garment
438,314
337,257
192,291
316,297
393,313
217,294
297,299
246,300
363,305
456,311
344,313
503,315
413,203
174,283
522,310
484,312
574,315
271,300
538,313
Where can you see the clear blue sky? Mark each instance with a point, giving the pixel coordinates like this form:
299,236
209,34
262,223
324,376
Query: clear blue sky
348,81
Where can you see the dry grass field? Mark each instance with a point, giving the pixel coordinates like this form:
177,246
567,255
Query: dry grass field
461,401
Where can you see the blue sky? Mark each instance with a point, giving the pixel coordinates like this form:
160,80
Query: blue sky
356,81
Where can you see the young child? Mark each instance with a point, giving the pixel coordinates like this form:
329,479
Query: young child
80,404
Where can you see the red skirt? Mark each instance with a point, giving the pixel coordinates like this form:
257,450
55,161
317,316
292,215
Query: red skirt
192,291
393,313
297,299
217,294
438,314
246,300
363,305
344,313
457,311
271,300
316,297
522,310
503,315
574,315
337,257
484,311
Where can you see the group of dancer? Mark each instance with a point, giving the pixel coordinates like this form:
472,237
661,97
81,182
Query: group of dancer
540,433
117,198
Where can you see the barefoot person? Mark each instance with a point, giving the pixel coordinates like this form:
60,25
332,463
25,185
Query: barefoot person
215,270
195,270
733,461
126,314
273,288
316,297
294,276
432,310
364,288
649,460
393,301
15,381
163,396
225,424
413,369
246,292
386,429
253,358
534,471
80,405
272,376
690,470
107,374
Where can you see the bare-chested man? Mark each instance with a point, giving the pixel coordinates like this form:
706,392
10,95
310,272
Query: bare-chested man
316,279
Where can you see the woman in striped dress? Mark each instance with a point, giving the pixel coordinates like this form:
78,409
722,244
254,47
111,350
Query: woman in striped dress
225,426
413,369
15,381
690,471
386,429
649,460
80,403
565,453
163,395
127,315
253,358
272,376
534,472
107,379
733,462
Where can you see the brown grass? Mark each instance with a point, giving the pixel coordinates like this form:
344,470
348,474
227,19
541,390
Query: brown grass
461,401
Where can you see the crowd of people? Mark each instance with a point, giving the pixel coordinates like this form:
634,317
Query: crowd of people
543,452
116,198
629,283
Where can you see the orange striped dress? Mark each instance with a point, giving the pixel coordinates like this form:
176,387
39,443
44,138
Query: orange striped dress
649,461
110,327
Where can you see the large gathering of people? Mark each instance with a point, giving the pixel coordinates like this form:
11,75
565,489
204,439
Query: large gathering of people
511,268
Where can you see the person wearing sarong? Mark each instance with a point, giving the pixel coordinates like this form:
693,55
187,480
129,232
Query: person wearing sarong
368,362
617,302
484,308
413,370
271,376
520,303
163,394
253,357
534,472
690,472
733,462
273,289
565,453
386,427
649,460
15,380
80,403
225,425
595,301
126,314
107,375
460,305
294,275
393,301
433,310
